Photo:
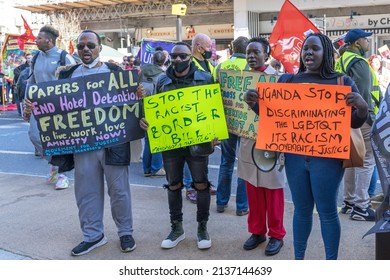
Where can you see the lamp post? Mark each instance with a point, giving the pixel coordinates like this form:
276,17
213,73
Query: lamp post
179,10
179,36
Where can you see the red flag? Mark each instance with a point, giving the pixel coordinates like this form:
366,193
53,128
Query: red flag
288,35
70,47
27,36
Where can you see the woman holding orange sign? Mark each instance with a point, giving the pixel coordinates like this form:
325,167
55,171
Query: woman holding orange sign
316,180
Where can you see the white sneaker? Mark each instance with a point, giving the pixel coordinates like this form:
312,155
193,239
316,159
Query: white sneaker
170,242
159,173
52,177
204,244
204,241
62,182
175,236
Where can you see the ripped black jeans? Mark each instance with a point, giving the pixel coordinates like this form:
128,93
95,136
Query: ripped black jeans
174,167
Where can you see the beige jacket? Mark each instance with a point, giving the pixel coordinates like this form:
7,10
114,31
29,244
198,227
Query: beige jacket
248,171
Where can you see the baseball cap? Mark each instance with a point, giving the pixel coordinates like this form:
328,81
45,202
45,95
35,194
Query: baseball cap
355,34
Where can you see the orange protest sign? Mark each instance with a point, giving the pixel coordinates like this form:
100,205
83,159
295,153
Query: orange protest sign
307,119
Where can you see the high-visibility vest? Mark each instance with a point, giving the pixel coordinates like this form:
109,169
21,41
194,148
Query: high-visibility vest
211,67
344,64
235,62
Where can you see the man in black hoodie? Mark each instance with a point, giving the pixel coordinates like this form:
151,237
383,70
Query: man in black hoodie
181,74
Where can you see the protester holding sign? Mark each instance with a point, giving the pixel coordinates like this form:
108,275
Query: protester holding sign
264,190
92,167
183,73
315,180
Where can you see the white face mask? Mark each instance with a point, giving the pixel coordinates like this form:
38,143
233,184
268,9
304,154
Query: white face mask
93,63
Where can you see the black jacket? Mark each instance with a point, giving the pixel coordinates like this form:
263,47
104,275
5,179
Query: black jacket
195,77
116,155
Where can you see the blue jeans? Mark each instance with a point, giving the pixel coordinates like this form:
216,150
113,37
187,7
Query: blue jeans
314,180
228,157
151,162
374,179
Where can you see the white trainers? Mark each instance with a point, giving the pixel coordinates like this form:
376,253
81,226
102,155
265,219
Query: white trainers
159,173
62,182
175,236
52,177
204,241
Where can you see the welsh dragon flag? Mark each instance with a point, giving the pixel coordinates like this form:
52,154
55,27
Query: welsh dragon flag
288,35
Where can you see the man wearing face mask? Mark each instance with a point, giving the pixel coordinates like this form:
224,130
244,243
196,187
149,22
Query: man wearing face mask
181,74
201,51
357,180
91,168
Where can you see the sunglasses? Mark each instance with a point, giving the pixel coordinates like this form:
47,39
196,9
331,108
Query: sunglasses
90,46
181,55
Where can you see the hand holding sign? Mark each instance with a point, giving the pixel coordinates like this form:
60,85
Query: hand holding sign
251,97
356,100
308,119
184,117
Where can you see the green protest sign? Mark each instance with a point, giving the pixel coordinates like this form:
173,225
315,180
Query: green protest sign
185,117
240,119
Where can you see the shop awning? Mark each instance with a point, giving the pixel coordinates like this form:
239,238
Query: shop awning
40,6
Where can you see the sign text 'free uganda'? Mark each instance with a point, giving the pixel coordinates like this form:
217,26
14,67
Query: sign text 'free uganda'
240,119
87,113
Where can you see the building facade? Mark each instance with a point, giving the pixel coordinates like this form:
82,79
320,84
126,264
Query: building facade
335,18
123,23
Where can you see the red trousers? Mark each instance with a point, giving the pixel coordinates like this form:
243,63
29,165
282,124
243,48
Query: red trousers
266,206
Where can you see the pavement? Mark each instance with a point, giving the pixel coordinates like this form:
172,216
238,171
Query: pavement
38,222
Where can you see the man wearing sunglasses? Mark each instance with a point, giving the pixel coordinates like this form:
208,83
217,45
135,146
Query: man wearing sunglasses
92,167
183,73
43,69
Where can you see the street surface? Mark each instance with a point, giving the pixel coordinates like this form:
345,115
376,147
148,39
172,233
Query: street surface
26,195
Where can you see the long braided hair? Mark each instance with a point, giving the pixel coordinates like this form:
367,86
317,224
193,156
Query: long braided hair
327,66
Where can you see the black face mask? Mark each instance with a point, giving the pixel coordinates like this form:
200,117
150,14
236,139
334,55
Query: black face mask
207,54
181,66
